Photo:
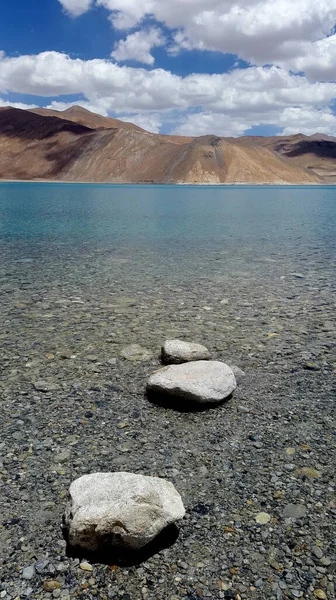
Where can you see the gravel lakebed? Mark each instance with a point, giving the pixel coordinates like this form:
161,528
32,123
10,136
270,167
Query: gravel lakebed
256,474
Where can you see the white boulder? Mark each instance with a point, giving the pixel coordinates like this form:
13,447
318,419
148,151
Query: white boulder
200,382
178,351
120,509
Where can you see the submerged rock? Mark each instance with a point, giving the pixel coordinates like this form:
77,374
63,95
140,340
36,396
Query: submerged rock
45,386
120,509
200,381
294,511
178,351
135,352
238,373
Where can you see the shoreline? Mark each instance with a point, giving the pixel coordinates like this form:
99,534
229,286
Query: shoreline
205,184
255,473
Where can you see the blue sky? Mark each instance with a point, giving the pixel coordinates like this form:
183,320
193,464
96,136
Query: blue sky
177,66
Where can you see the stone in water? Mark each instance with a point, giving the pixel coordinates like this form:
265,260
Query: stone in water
120,509
178,351
135,352
263,518
203,382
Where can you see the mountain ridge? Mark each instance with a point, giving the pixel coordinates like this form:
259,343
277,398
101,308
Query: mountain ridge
78,145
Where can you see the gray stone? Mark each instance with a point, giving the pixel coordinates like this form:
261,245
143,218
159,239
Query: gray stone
112,361
317,552
238,373
45,386
200,382
294,511
28,572
135,352
62,457
121,509
178,351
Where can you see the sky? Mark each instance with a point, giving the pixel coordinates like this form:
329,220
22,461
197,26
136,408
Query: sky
187,67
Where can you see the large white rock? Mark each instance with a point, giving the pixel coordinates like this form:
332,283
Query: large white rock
178,351
120,509
201,381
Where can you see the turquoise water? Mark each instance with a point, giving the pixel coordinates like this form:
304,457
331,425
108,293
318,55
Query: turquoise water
44,216
250,272
82,265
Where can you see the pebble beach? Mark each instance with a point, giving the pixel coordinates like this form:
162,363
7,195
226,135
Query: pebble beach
81,333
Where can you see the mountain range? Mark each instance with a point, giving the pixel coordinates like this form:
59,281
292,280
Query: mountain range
78,145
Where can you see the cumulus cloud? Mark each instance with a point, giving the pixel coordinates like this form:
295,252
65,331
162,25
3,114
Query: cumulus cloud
307,120
137,46
226,104
316,59
296,35
259,31
150,121
21,105
290,120
76,7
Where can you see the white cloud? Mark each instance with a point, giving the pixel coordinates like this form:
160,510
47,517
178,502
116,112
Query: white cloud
150,121
259,31
137,46
288,33
293,34
207,123
76,7
316,59
17,104
226,104
308,121
291,120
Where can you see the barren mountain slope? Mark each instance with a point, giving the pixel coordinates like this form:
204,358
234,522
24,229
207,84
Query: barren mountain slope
81,115
316,153
36,146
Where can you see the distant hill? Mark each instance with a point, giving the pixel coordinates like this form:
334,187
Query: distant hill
81,115
77,145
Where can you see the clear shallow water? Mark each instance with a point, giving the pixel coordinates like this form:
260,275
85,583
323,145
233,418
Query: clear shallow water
249,272
161,217
83,264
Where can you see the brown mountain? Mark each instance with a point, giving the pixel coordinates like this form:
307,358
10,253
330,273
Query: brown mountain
81,115
77,145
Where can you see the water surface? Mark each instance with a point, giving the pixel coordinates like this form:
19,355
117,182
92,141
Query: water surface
226,265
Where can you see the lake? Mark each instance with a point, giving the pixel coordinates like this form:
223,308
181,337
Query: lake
87,270
225,265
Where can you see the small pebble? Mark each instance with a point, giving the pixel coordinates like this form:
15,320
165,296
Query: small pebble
317,551
263,518
28,572
85,566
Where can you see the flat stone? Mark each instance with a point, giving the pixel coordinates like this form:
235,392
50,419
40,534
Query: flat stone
45,386
28,572
85,566
263,518
309,473
200,382
317,551
294,511
178,351
62,456
50,585
120,509
238,373
135,352
112,361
